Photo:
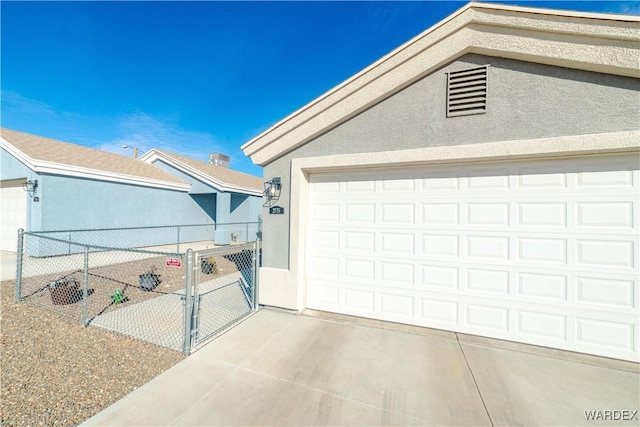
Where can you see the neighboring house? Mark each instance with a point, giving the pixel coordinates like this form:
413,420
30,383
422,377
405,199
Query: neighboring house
83,188
482,178
231,197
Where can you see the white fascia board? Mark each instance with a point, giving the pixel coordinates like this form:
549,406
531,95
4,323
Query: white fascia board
153,155
592,42
53,168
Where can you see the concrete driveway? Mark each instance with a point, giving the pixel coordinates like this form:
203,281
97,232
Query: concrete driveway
279,368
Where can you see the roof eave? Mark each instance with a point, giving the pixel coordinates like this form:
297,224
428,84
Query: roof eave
53,168
523,35
153,155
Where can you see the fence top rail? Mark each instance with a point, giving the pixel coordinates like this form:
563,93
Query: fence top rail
225,249
104,248
146,227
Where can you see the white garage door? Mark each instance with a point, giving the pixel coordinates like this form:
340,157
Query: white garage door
541,252
13,213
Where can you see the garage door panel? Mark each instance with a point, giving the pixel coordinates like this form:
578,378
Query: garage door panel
548,288
542,214
494,214
495,248
487,281
325,213
360,301
606,293
605,214
606,334
397,243
440,245
439,312
486,319
606,253
542,176
439,276
607,173
439,214
540,252
359,214
397,214
13,213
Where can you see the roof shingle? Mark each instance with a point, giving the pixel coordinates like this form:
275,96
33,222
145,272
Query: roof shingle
39,148
220,173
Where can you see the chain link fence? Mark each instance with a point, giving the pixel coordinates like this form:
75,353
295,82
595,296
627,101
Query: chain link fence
168,298
174,238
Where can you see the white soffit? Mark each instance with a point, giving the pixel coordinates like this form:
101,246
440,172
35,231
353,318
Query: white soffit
53,168
602,43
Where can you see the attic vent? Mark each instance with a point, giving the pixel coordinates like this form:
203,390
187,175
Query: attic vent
467,91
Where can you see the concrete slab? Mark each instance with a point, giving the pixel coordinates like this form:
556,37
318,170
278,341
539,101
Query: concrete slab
160,320
527,389
279,368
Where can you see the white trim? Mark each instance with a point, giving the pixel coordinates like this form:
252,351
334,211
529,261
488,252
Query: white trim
46,167
591,42
155,155
293,279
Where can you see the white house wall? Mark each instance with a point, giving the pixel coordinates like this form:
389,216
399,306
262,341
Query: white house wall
525,101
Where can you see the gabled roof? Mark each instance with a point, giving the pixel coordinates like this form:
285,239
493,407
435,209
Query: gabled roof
49,156
603,43
220,177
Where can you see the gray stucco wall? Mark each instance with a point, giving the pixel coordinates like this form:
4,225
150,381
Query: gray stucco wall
525,101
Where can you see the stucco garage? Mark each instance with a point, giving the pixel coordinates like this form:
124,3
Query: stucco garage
481,178
541,252
13,213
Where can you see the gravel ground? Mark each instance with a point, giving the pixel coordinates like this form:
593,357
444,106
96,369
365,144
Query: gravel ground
56,372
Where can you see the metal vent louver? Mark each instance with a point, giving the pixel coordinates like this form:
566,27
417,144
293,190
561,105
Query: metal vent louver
467,91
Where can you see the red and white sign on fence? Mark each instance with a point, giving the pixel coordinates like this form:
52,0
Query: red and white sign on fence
174,262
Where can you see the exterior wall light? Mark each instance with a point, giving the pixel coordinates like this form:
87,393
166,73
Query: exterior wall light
272,190
30,186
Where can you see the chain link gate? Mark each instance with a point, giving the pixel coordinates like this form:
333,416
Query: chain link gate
223,293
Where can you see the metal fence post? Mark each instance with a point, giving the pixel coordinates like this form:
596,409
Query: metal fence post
254,291
188,303
18,293
85,285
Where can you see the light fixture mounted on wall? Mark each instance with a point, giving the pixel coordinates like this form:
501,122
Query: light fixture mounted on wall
272,191
30,186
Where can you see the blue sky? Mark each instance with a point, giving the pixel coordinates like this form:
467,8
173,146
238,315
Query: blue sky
195,77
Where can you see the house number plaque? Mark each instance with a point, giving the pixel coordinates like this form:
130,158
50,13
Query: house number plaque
276,210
